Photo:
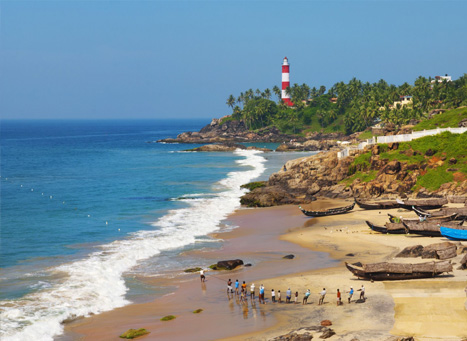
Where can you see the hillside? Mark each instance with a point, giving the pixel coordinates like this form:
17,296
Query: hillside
429,166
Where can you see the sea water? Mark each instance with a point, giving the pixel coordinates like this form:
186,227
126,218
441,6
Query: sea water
85,203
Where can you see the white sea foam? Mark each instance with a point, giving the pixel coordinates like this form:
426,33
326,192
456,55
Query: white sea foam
95,284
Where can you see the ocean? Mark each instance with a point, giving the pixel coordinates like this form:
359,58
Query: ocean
88,206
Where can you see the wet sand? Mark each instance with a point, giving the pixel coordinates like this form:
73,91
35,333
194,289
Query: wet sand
255,241
428,309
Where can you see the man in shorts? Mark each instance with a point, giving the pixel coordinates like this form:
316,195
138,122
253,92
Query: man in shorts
252,291
350,294
322,294
339,299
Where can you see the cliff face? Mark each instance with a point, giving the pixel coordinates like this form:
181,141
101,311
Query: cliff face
325,175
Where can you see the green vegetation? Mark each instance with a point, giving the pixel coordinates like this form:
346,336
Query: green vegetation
366,135
215,267
442,158
197,311
348,108
168,318
252,185
364,177
450,118
193,270
133,333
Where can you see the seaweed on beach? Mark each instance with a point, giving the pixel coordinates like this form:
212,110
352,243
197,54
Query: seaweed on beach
133,333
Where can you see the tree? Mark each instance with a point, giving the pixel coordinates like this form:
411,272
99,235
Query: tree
231,101
267,94
278,93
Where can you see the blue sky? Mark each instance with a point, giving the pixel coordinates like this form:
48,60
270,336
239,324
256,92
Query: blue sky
168,59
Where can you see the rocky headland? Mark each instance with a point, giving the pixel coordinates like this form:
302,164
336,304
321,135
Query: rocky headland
324,175
226,131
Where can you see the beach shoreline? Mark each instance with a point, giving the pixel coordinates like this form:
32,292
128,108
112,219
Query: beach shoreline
263,237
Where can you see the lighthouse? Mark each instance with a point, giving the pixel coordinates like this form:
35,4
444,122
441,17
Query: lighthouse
286,81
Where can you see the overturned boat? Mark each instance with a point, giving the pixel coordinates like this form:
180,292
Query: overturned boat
398,271
331,211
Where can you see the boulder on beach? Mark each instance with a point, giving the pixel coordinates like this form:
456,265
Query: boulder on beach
227,264
289,257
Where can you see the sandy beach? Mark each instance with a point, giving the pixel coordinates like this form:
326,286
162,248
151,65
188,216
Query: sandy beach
428,309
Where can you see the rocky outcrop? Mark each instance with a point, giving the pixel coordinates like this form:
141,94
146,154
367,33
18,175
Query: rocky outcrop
224,130
323,175
225,147
227,130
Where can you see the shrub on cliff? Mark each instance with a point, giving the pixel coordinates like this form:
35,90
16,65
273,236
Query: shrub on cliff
252,185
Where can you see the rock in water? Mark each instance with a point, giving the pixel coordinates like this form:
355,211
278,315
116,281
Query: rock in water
289,257
229,264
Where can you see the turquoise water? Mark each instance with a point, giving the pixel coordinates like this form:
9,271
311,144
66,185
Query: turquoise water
85,202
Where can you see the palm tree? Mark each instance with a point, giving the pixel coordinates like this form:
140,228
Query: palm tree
267,94
277,92
231,101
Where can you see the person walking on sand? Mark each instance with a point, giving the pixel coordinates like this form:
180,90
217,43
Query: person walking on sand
321,296
362,293
288,295
236,287
350,294
305,298
296,297
339,300
279,296
252,291
244,286
273,296
201,275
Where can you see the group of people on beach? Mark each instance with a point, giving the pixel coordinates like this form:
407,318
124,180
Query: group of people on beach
240,290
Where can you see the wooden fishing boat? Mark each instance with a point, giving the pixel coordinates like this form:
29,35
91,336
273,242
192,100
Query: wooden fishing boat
461,212
438,219
390,228
331,211
397,271
424,204
453,234
377,205
426,228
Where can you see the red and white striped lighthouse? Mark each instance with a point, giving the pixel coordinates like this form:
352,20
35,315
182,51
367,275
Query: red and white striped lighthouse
286,81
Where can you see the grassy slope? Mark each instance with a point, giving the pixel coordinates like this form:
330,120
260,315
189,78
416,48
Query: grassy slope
450,118
445,146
